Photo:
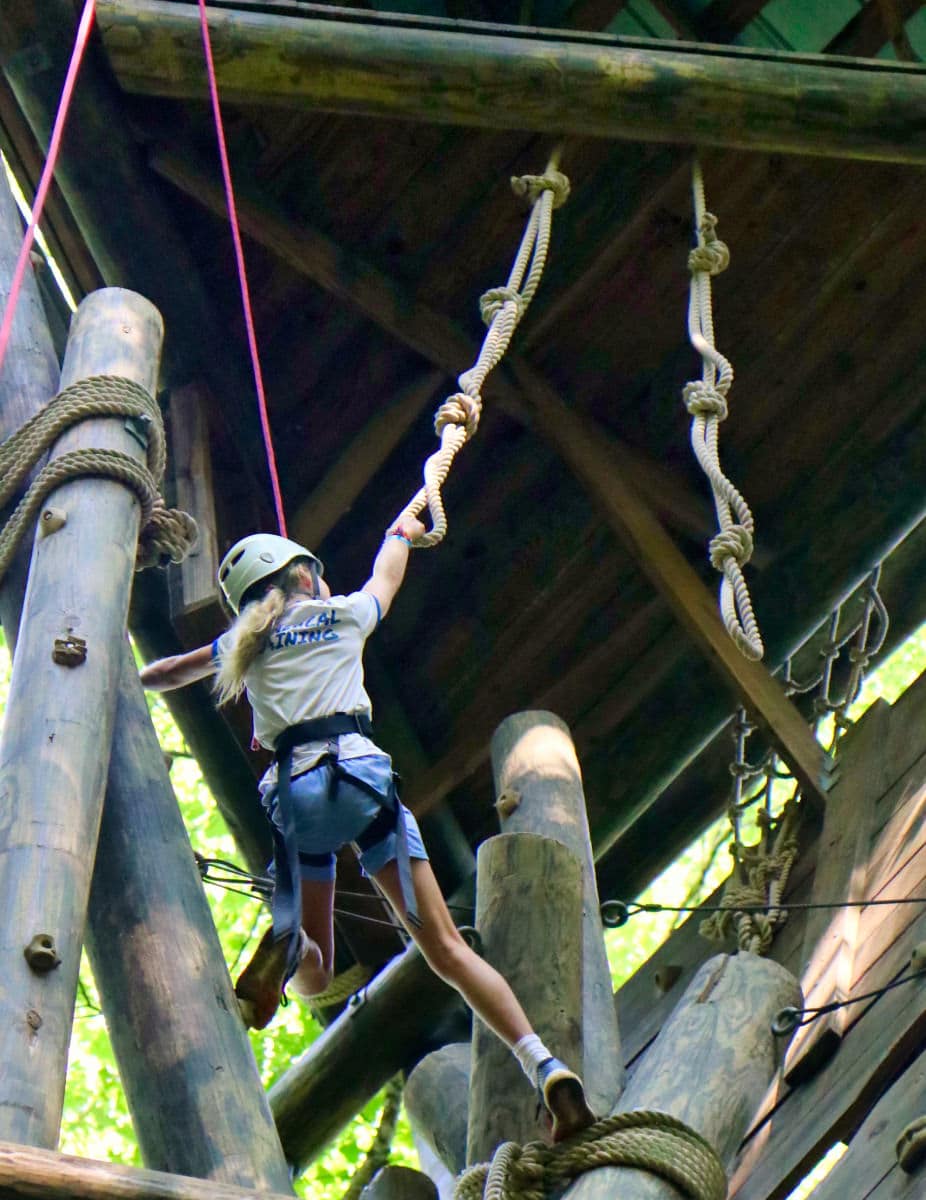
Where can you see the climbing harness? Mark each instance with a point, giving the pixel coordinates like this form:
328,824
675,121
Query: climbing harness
501,308
165,533
286,904
646,1140
706,401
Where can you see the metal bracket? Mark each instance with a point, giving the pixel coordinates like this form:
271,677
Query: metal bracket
139,428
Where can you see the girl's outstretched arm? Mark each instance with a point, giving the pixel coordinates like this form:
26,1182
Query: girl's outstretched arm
390,563
165,674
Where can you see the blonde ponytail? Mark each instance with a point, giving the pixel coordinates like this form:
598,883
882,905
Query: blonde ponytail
251,629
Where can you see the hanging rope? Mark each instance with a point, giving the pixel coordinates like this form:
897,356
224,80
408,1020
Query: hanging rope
38,204
164,532
501,308
706,401
649,1141
378,1154
242,272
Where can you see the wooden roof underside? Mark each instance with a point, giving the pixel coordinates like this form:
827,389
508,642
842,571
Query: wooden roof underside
369,241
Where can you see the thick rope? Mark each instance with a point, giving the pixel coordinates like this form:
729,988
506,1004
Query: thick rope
164,532
649,1141
378,1154
706,401
343,986
759,880
502,308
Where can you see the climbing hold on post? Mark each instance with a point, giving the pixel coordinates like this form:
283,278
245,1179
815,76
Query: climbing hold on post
911,1146
508,802
69,651
41,954
52,520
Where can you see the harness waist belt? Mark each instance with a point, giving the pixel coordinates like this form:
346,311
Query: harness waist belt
320,728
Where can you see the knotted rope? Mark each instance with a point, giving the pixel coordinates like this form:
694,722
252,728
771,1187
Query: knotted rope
502,308
650,1141
706,401
759,880
164,532
343,986
381,1147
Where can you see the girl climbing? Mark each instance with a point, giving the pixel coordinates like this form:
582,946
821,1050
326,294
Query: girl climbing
296,650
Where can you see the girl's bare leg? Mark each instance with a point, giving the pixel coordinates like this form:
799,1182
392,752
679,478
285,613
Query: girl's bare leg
486,992
314,972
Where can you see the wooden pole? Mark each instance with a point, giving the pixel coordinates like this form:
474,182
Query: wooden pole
538,783
710,1066
196,1098
28,381
399,1183
56,739
26,1173
529,916
405,1012
550,81
436,1099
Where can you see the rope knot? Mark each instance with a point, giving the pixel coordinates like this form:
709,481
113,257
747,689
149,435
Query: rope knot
735,543
711,254
458,409
169,536
532,187
702,399
494,300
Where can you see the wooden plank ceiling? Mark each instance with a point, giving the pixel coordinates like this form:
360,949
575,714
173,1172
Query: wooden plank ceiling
369,242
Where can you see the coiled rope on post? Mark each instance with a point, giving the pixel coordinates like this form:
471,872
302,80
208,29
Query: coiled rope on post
706,401
164,532
650,1141
501,308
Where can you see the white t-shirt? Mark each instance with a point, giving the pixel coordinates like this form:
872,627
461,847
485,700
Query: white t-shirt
311,666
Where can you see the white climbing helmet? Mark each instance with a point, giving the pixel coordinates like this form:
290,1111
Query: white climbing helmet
257,556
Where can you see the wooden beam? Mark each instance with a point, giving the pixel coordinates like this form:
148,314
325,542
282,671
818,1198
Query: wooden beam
867,33
431,334
831,936
26,1173
193,581
689,599
894,15
551,82
398,1013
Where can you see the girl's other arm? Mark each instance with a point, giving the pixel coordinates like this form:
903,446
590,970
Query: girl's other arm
165,674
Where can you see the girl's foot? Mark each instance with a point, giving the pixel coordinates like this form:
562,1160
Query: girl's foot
563,1097
260,985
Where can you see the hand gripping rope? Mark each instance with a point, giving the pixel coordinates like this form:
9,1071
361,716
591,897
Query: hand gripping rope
502,308
706,401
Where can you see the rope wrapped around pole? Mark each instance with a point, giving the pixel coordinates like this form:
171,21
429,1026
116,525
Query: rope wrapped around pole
650,1141
706,401
165,533
501,308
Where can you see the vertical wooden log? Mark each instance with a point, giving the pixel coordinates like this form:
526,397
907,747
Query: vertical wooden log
529,916
28,381
399,1183
192,1085
710,1067
193,580
56,740
436,1100
538,783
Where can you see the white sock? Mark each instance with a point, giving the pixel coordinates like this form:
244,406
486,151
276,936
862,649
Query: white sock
530,1053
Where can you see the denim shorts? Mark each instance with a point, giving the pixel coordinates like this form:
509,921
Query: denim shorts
324,824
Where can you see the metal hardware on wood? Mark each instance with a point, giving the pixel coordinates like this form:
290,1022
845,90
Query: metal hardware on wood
139,428
666,977
52,520
69,651
41,954
911,1146
507,802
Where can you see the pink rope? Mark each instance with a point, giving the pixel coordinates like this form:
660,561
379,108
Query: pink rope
242,273
77,54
